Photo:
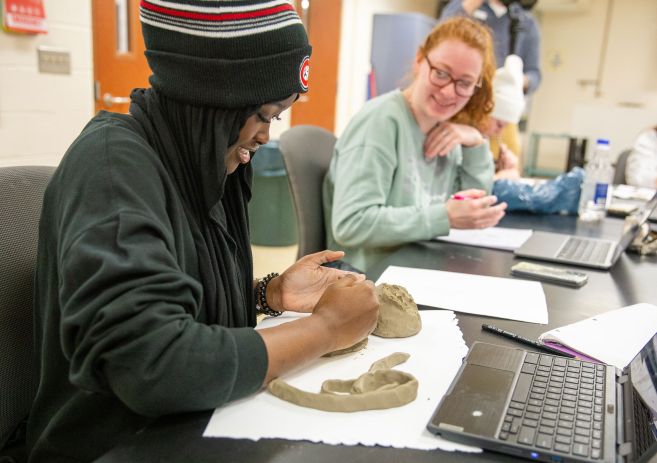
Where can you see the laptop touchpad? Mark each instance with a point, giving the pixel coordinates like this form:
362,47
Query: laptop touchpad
494,356
477,402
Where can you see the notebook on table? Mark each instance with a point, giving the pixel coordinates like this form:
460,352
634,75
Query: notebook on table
585,252
612,337
549,408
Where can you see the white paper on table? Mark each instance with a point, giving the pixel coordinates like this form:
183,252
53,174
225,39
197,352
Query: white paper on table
508,239
613,337
436,355
633,192
476,294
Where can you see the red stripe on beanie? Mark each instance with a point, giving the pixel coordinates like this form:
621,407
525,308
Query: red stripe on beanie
216,17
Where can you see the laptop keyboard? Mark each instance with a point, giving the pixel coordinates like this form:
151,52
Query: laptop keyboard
584,250
557,405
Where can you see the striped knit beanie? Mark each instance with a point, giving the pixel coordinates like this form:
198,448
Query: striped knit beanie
225,53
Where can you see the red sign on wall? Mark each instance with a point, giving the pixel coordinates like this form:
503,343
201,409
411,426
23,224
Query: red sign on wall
24,16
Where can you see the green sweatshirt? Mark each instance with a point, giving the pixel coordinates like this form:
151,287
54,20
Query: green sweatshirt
381,193
119,318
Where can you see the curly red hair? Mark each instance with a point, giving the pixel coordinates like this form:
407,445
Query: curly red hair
476,36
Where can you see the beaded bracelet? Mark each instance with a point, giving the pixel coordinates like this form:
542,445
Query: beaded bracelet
260,293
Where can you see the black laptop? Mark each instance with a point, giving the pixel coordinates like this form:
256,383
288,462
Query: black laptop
549,408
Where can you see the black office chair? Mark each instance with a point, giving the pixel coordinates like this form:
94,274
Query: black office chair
621,163
21,196
307,152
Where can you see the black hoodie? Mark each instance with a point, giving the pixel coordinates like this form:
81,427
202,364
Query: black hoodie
143,298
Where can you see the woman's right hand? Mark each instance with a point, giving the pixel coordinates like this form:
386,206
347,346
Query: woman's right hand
507,164
346,313
479,211
507,159
350,310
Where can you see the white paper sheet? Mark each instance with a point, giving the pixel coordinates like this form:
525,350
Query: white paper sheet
633,192
476,294
508,239
436,355
614,337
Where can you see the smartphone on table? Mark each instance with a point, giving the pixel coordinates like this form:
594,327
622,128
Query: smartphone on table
550,274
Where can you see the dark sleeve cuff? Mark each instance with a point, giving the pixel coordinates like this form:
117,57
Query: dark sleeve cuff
252,362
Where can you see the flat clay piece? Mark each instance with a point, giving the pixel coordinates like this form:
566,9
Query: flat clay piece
398,313
348,350
379,388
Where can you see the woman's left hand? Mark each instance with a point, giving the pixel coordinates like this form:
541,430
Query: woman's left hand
507,159
446,135
300,286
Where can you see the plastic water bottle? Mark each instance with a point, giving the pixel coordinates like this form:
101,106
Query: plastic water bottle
596,190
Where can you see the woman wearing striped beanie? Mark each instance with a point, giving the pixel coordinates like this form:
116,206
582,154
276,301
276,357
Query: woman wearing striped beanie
145,300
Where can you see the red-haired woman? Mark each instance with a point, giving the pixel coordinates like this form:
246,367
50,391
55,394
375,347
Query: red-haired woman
406,169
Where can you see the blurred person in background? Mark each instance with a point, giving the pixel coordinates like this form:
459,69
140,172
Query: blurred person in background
641,169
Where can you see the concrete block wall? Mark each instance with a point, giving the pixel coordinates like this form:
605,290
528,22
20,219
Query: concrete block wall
40,113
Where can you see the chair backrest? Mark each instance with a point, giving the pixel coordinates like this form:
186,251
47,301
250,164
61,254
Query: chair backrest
307,152
619,170
21,197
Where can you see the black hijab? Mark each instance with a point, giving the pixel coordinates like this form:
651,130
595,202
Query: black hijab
192,142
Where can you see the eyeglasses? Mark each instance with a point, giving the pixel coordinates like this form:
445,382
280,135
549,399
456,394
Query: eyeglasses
441,79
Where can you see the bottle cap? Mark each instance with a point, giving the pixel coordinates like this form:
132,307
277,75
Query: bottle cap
602,141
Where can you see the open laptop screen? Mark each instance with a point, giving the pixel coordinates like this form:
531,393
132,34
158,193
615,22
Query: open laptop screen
640,217
643,375
647,209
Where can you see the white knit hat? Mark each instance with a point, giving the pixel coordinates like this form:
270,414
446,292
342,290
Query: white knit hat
507,91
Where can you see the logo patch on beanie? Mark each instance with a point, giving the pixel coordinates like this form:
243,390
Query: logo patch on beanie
304,71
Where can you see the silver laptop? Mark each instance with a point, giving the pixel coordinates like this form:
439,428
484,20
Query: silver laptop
549,408
582,251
